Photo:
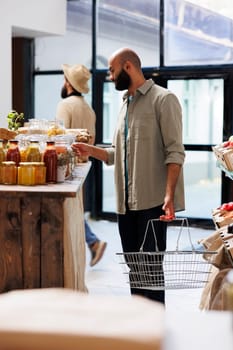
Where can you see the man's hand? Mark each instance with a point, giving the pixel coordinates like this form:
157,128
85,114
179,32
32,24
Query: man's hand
87,150
168,208
167,217
81,149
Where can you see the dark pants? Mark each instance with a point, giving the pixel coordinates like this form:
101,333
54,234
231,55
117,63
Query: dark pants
132,226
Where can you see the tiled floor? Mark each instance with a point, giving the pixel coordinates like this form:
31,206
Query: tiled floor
107,277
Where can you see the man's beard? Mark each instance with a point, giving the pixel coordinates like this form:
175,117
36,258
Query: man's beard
64,92
123,81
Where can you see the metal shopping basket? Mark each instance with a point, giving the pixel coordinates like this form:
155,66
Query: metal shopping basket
160,270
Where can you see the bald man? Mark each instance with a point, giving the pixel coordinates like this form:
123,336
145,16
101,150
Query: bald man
148,155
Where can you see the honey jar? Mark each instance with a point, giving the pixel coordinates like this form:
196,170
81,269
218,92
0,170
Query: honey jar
9,173
40,173
26,174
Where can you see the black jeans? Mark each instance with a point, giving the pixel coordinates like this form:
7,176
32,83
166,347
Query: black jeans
132,226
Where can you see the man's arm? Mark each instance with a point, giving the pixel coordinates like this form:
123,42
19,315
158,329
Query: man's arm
173,171
84,149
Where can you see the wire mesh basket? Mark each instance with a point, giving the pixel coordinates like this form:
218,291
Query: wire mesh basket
160,270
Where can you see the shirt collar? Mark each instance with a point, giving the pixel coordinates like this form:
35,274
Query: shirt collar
143,89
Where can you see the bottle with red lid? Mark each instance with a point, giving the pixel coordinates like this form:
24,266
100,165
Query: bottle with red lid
50,160
13,153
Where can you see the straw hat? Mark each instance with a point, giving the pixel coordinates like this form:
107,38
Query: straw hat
78,76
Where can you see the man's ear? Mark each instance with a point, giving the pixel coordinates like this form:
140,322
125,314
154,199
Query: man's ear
127,66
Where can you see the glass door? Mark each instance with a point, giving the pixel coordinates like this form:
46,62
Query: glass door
112,100
202,105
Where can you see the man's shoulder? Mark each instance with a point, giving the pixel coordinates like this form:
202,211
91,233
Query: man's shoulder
162,93
152,88
159,89
153,91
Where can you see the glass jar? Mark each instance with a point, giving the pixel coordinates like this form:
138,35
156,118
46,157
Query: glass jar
9,173
13,153
50,160
26,174
63,157
23,152
33,152
55,127
40,173
61,146
37,126
2,152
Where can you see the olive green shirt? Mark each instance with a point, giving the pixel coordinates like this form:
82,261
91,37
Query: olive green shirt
154,140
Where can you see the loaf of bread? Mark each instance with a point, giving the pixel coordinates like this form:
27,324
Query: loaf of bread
6,134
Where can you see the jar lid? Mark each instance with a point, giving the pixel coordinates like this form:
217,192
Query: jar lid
8,163
13,141
38,163
25,164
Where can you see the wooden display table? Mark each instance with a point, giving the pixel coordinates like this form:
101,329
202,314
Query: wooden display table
42,236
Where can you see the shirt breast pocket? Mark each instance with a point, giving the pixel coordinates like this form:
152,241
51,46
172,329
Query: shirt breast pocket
142,128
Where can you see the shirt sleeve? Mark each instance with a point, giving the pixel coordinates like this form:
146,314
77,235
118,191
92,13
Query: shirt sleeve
111,155
171,128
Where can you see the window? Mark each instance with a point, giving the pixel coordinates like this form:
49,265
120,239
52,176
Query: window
198,32
132,23
202,105
47,95
72,48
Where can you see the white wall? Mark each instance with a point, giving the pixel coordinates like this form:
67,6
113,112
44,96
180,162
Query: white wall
27,18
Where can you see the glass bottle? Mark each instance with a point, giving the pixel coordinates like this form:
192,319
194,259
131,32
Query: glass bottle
33,152
13,153
50,160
